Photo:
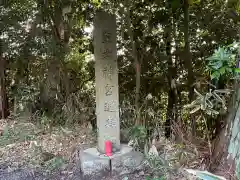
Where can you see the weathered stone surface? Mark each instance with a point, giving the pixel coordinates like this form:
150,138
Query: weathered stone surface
106,73
107,105
127,159
92,162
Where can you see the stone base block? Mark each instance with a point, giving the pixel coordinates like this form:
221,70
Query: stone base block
123,162
126,161
92,162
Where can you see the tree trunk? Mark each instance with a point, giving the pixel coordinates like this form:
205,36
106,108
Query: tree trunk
188,62
61,32
137,66
170,76
4,109
177,64
57,71
170,113
215,123
51,85
227,143
23,71
232,141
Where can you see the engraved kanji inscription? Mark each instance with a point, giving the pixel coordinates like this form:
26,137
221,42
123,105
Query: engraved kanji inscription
110,106
108,90
107,72
106,53
106,75
106,37
111,122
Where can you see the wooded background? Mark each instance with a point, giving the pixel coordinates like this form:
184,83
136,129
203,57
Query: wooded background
166,49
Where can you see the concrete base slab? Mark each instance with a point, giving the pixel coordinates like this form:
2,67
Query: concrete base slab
126,160
93,162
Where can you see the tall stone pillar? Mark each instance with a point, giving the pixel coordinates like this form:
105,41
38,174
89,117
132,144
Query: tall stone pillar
94,160
106,72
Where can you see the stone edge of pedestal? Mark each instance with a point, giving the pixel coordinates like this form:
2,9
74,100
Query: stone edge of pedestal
91,162
123,162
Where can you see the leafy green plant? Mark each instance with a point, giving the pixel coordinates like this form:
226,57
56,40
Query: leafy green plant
210,103
44,120
223,61
25,96
138,136
158,165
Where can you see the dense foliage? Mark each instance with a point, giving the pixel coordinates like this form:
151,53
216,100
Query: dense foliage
166,49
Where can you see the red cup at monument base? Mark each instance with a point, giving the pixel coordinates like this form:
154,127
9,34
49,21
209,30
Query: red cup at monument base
108,148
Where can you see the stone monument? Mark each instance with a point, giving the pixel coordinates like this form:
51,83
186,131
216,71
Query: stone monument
106,72
107,104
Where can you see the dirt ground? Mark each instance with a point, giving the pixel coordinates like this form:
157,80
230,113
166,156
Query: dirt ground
30,152
28,174
26,152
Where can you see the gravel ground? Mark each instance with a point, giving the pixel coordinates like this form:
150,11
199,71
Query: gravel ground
28,174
